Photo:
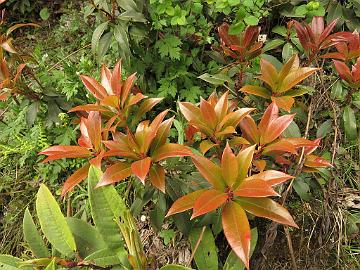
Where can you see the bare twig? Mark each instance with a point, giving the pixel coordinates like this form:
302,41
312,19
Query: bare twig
196,245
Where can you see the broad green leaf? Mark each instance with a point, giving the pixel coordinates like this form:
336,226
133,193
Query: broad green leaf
127,5
53,223
120,34
175,267
288,51
280,30
87,238
8,262
103,45
206,253
324,129
337,91
132,16
104,258
251,20
33,238
97,35
272,44
44,14
233,262
51,265
302,189
106,206
350,123
292,131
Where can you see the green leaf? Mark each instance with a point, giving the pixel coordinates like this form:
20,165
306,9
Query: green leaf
236,28
287,52
32,112
302,189
251,20
104,258
169,46
33,238
44,14
175,267
337,91
280,30
8,262
87,238
292,131
350,123
97,35
206,254
120,34
53,223
233,262
132,16
324,129
103,46
106,206
217,79
272,44
128,5
51,265
167,235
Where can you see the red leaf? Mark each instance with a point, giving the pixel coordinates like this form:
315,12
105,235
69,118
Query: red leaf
157,177
264,207
280,146
65,151
171,150
115,173
208,201
141,168
185,203
237,230
75,179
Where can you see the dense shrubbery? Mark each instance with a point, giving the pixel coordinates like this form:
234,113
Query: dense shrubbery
250,101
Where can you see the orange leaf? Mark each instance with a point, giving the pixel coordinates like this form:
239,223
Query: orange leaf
267,208
221,107
255,188
276,128
272,177
157,177
244,159
210,171
115,173
237,230
141,168
284,102
94,87
208,113
250,130
229,166
271,113
126,89
171,150
75,179
280,146
185,203
89,107
191,112
65,151
316,162
208,201
162,133
256,90
116,80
